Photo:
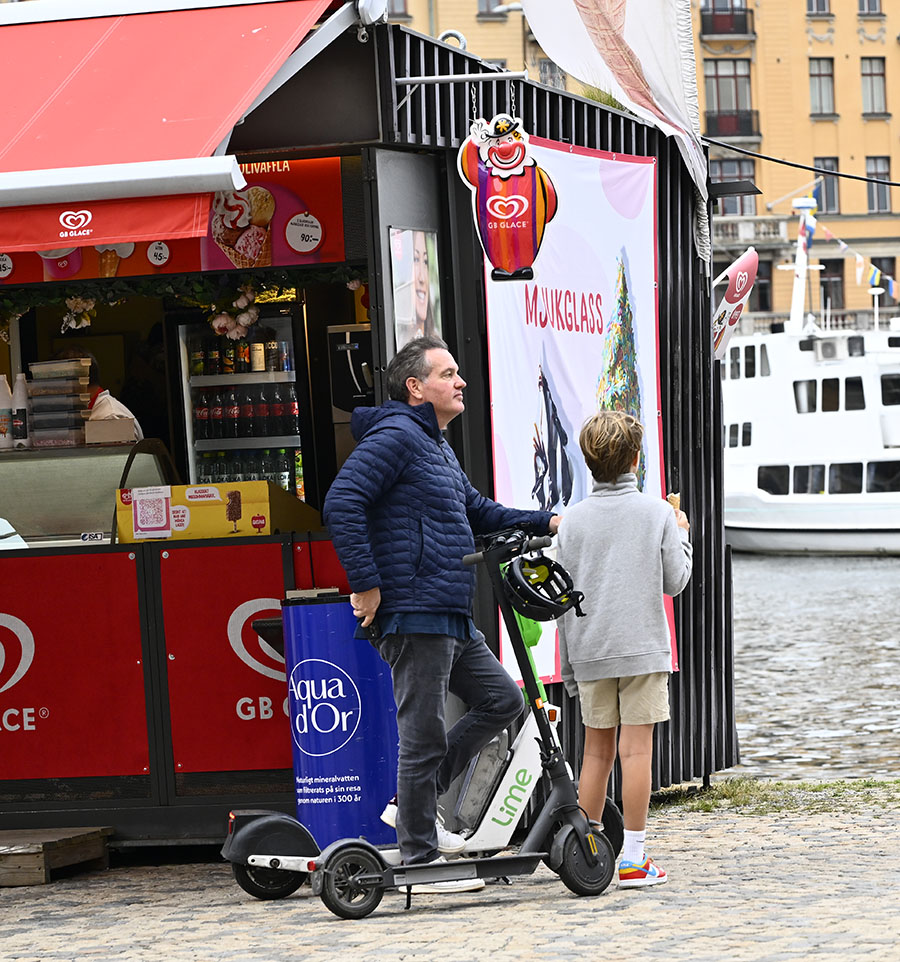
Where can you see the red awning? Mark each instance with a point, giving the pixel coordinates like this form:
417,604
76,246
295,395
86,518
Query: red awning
124,89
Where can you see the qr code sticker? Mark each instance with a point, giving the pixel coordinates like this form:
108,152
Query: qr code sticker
151,513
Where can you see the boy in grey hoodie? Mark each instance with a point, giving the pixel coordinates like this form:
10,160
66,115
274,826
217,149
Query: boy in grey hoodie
624,551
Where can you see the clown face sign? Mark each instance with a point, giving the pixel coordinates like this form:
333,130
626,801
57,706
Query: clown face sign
512,197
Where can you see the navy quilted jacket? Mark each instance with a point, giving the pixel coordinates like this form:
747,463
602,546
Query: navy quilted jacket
401,512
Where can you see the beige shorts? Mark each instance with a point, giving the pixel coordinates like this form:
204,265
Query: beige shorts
635,700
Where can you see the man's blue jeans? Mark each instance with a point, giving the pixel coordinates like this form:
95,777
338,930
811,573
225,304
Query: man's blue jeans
424,668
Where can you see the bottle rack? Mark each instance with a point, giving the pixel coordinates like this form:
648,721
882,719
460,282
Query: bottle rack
252,377
237,444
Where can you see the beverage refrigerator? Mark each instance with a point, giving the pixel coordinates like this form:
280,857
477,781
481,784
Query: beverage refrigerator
245,405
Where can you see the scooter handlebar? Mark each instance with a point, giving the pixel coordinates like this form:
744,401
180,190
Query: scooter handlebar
513,549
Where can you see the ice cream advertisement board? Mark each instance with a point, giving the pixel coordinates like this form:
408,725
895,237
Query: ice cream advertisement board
290,213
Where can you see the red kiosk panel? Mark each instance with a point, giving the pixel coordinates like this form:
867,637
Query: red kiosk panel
71,675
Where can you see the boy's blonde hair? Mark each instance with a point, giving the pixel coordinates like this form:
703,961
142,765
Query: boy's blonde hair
610,441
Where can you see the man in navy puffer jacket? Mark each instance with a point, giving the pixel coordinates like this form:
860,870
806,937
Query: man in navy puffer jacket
402,513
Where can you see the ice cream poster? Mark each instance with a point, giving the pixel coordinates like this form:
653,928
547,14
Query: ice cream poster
580,336
290,213
513,196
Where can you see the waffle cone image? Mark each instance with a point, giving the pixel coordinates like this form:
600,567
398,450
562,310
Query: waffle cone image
246,255
108,263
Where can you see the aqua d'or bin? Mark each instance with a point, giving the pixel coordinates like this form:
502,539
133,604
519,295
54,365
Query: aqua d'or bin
343,722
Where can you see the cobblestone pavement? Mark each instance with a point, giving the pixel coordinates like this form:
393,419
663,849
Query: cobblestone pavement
747,888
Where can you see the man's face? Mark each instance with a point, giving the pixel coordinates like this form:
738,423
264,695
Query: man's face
443,387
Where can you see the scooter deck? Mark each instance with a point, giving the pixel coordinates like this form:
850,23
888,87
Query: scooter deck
462,868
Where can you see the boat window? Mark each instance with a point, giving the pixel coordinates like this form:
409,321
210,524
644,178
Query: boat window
732,435
856,346
735,363
805,396
721,370
845,478
882,476
807,344
764,370
809,479
773,478
745,434
893,341
831,393
890,389
750,361
854,397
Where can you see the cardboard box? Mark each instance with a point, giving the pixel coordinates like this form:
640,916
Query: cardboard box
191,511
109,431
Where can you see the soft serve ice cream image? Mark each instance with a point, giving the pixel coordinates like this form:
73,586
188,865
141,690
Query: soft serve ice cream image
109,255
241,226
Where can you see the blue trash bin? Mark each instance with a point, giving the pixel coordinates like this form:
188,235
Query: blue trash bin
343,722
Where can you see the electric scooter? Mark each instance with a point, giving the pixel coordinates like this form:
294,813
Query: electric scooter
351,875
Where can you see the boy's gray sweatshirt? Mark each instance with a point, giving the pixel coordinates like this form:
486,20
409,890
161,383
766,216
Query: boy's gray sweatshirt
624,550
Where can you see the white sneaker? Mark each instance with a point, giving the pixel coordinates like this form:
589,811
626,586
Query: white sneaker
448,842
449,887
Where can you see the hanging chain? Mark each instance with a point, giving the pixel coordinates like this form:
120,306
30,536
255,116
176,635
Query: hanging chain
512,99
474,103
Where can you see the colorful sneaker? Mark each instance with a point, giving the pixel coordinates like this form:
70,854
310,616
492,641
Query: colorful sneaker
634,875
448,842
449,887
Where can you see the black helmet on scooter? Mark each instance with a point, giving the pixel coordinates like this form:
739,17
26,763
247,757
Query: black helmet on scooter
540,589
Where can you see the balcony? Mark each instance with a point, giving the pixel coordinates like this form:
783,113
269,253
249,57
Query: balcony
738,231
728,24
732,123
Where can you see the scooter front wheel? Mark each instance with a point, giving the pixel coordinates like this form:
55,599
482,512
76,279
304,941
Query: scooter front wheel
267,883
580,877
343,890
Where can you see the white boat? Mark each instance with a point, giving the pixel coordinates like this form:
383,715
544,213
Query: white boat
812,438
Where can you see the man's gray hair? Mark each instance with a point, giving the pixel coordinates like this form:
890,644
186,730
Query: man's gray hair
409,362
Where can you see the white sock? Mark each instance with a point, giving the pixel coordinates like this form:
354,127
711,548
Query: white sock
633,849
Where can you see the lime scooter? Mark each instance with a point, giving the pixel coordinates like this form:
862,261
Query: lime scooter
351,875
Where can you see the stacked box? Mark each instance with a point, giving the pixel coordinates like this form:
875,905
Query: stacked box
59,402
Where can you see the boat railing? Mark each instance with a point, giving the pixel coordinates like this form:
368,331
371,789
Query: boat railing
761,322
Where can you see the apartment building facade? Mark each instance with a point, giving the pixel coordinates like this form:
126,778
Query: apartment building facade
814,82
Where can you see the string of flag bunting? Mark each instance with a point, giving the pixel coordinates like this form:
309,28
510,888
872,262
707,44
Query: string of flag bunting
874,277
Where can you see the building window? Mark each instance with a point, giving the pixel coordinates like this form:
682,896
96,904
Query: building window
845,478
552,74
831,284
827,194
722,6
761,295
727,85
805,396
887,266
854,396
873,87
397,8
882,476
869,6
890,389
821,85
879,168
773,478
809,479
487,6
721,171
818,6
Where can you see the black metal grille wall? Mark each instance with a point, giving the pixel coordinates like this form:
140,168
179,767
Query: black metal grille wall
700,738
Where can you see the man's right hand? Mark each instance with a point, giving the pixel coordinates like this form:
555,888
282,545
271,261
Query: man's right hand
365,604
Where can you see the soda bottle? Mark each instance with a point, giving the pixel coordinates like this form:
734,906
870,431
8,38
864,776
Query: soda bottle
261,414
232,413
291,420
276,412
216,415
242,356
203,468
201,417
228,356
257,354
6,409
251,467
20,414
283,470
197,357
245,416
267,466
236,466
298,475
214,357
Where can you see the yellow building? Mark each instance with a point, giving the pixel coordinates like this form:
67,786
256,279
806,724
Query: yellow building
814,82
494,30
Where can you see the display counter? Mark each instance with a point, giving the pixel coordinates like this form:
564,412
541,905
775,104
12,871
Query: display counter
64,497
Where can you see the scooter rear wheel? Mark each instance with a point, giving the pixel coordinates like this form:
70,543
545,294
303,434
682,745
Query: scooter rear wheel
267,883
342,892
580,877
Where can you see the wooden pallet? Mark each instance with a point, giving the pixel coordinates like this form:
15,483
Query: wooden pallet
31,856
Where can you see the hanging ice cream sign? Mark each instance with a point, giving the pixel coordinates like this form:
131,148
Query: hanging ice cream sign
513,198
741,277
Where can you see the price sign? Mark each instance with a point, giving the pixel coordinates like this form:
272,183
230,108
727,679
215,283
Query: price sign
158,253
6,266
304,233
